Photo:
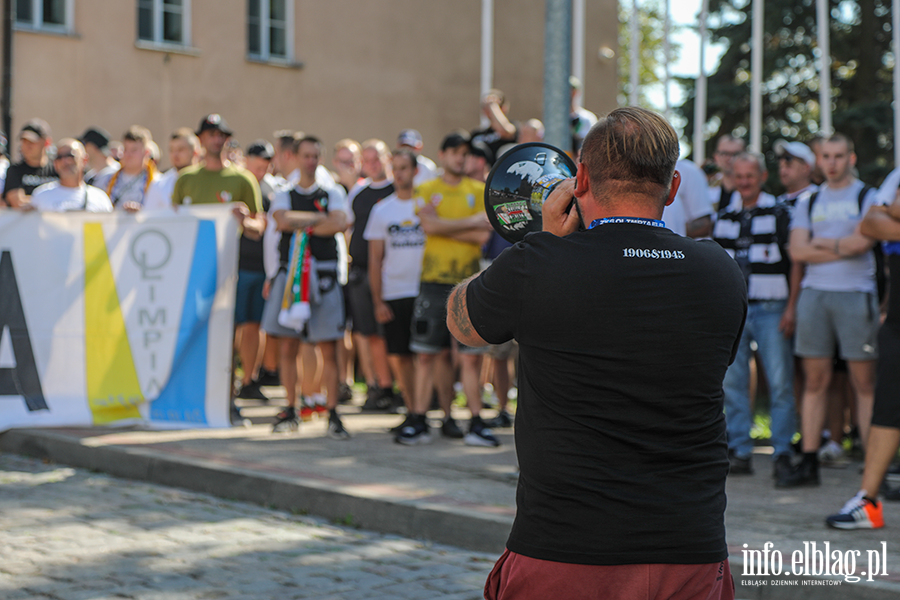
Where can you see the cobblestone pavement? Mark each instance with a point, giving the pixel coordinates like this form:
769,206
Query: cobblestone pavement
70,534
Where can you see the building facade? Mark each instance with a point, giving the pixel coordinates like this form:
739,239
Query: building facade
332,68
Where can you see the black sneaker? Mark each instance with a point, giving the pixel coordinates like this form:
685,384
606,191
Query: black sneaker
406,421
268,378
345,394
397,406
503,419
740,466
480,434
450,429
336,429
378,399
893,473
782,466
286,420
892,494
805,474
251,391
415,432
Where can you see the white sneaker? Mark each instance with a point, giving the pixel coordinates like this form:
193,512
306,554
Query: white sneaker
832,455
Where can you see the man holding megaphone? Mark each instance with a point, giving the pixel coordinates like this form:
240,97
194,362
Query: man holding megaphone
625,332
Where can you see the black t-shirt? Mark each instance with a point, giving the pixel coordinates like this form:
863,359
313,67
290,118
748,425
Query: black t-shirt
322,248
625,332
250,257
492,138
22,175
892,254
362,205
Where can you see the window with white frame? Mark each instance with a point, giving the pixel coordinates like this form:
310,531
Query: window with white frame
164,21
51,15
270,29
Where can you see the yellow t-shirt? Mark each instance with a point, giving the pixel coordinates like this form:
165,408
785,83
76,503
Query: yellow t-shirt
447,260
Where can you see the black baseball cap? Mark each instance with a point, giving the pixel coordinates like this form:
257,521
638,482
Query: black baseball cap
456,138
214,122
479,148
260,148
35,130
96,136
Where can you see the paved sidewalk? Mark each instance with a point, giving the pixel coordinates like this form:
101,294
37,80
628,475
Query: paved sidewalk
446,492
69,534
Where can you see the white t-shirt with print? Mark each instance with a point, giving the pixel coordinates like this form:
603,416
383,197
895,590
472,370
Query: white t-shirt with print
394,221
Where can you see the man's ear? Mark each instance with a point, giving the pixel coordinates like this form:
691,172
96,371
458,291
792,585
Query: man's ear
582,181
676,183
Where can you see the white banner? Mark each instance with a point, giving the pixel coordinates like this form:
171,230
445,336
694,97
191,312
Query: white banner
117,318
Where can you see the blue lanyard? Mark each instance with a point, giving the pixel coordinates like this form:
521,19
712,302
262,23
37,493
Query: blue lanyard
632,220
891,247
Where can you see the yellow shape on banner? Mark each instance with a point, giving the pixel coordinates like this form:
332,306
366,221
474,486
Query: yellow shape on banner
112,383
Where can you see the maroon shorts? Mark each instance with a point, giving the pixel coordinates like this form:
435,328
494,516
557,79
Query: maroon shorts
517,577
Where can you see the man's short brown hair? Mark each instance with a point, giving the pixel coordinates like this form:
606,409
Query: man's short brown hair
306,139
409,154
632,150
840,137
136,133
286,140
187,134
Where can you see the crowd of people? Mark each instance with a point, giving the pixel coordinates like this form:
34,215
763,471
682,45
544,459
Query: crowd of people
815,277
361,258
338,267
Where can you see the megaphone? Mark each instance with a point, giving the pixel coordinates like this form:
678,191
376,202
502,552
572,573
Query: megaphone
518,185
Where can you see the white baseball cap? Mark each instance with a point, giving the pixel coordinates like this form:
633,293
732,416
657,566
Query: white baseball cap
797,150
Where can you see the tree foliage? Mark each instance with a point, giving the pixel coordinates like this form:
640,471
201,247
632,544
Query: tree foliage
651,73
861,76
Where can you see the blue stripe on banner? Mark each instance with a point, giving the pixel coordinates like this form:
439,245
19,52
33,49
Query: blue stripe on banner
184,397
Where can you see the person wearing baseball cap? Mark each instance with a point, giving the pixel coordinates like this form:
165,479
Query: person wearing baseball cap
411,139
249,299
216,180
34,169
214,122
796,162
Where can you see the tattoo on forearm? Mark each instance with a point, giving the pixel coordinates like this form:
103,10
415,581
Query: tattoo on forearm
460,311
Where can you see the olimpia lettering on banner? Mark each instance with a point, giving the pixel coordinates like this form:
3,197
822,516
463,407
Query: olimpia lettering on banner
117,319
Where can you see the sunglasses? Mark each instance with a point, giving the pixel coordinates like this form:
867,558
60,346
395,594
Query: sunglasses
63,156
